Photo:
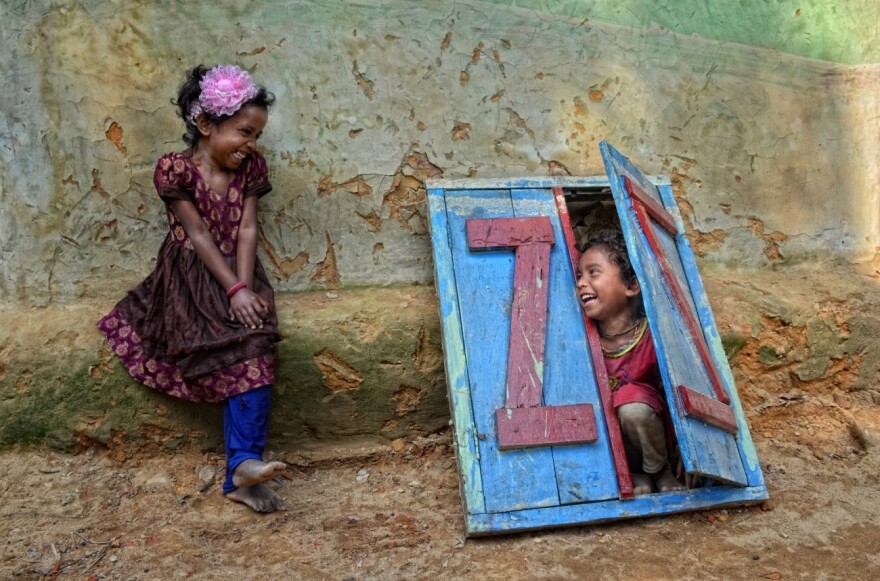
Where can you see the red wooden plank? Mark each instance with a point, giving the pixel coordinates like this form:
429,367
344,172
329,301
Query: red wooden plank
615,436
708,410
507,232
656,211
683,307
546,426
528,323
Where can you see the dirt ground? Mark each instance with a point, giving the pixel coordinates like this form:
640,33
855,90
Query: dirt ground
394,512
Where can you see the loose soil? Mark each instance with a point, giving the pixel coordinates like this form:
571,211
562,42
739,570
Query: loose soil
394,512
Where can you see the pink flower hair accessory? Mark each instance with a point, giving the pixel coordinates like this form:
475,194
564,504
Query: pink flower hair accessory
225,88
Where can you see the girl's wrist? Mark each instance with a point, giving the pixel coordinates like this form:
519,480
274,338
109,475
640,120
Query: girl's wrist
235,288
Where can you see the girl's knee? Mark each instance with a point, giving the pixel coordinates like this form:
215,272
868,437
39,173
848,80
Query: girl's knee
636,413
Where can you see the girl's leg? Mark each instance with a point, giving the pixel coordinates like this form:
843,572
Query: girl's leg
643,428
245,430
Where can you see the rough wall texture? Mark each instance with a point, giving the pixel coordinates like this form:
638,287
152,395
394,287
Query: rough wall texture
772,154
773,158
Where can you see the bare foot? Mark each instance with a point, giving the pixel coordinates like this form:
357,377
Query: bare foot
667,481
259,497
642,484
251,472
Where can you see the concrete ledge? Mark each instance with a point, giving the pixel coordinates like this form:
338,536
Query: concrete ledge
353,363
367,363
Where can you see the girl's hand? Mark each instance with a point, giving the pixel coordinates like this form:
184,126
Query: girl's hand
248,308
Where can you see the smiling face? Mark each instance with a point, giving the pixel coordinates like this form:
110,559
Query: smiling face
601,290
230,142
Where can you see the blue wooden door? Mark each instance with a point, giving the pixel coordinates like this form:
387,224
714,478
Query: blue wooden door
706,422
489,301
538,476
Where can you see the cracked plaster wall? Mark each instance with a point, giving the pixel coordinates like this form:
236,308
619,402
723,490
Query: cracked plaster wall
773,156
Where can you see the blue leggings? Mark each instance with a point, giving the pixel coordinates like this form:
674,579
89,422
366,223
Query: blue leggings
245,429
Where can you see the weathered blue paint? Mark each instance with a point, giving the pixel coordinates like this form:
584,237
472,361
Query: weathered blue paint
705,450
710,331
454,357
561,485
598,512
514,479
582,474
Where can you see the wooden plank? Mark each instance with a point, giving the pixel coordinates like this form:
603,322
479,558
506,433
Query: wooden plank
705,450
513,479
615,436
598,512
657,212
508,232
696,332
709,410
545,426
746,446
458,384
583,472
523,422
528,321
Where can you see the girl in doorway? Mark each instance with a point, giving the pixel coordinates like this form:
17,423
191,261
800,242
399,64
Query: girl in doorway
610,295
202,326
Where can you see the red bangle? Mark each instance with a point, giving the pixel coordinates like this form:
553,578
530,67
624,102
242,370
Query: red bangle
235,288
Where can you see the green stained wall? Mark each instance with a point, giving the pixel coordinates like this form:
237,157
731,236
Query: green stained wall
772,155
841,32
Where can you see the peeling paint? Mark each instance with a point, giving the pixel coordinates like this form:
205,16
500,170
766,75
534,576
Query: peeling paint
326,271
772,240
336,373
363,82
407,199
282,268
461,131
374,222
114,134
406,399
357,186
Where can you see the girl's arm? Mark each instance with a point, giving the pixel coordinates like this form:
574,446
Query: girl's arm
246,250
244,306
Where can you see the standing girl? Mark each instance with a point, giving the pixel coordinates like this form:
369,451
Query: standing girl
202,325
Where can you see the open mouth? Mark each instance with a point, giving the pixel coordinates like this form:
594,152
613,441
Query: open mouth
586,299
238,155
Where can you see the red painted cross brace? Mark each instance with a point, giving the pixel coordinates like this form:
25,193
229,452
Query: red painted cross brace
523,421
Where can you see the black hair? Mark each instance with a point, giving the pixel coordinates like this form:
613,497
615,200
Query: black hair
615,248
189,93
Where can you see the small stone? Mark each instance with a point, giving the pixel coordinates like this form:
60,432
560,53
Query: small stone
398,445
113,558
206,475
362,475
332,295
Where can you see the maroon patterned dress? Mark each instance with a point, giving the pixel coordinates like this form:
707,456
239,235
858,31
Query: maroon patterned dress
172,332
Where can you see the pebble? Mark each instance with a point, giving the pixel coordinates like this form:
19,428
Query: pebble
362,475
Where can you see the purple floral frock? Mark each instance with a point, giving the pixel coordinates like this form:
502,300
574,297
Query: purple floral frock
172,332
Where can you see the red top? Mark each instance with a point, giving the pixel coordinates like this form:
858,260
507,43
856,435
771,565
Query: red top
633,373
